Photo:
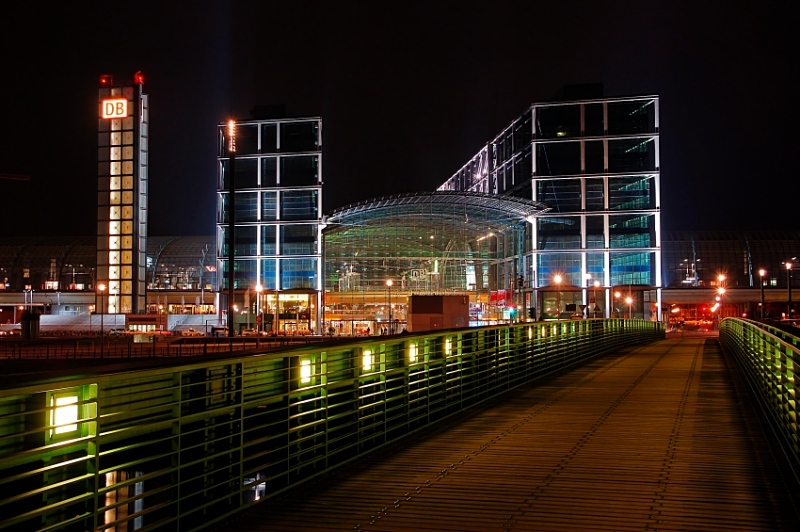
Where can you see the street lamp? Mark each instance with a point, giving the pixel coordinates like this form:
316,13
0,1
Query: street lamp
596,286
629,301
389,284
101,288
557,280
789,287
259,317
761,273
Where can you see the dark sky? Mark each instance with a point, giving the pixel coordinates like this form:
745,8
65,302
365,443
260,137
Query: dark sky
408,92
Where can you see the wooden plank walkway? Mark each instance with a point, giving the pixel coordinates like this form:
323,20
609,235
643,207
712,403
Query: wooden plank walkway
660,437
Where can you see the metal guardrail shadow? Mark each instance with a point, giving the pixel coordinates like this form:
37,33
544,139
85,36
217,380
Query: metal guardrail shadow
189,444
769,358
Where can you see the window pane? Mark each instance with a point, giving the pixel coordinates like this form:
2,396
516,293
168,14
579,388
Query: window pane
246,206
298,239
299,170
269,206
299,136
298,273
299,205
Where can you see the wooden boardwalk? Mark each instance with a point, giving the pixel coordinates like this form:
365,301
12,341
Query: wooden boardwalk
660,437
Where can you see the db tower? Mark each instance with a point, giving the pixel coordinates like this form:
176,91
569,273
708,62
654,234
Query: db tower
122,195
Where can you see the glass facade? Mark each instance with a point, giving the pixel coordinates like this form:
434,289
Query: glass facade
595,164
277,215
467,244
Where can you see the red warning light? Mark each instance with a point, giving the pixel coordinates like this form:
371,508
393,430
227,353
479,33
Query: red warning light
106,79
138,78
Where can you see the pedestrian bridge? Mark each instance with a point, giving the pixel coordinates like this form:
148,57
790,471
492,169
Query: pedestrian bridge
590,424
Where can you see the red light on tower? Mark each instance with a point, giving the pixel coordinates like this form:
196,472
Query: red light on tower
138,78
106,79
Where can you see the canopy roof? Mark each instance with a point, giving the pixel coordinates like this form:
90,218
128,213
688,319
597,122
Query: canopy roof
466,213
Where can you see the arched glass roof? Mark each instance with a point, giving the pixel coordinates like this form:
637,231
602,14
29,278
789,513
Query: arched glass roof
425,241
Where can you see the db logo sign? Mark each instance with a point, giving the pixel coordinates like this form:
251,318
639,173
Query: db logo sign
116,108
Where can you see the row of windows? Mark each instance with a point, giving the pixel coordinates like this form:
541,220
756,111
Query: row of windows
625,268
280,273
294,205
253,172
599,156
296,239
624,231
623,118
273,137
624,193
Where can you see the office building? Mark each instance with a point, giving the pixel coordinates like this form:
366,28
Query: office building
269,216
595,162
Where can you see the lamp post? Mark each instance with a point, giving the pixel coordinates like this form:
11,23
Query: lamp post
557,281
761,273
789,288
596,286
259,317
102,288
629,301
389,284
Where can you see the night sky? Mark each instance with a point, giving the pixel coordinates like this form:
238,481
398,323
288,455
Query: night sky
408,92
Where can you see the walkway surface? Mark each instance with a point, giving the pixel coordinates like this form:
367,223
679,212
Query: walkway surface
660,437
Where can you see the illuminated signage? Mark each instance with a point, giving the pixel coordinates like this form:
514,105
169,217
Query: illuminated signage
114,108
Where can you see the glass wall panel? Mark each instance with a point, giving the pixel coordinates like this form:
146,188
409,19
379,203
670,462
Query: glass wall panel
558,158
631,230
567,265
630,193
593,119
246,139
631,155
299,136
269,206
268,244
594,157
595,238
244,273
269,138
563,232
246,173
299,205
268,274
298,239
558,121
631,268
562,195
246,241
269,171
625,118
246,207
298,273
299,170
595,194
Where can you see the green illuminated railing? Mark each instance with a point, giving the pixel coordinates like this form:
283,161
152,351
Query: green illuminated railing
769,358
184,446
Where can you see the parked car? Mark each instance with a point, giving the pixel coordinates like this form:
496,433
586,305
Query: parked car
191,332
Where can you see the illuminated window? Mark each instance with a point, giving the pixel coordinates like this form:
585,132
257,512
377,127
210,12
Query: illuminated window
448,346
64,413
305,371
366,360
413,353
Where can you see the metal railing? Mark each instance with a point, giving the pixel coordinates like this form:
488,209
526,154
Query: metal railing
184,446
769,358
